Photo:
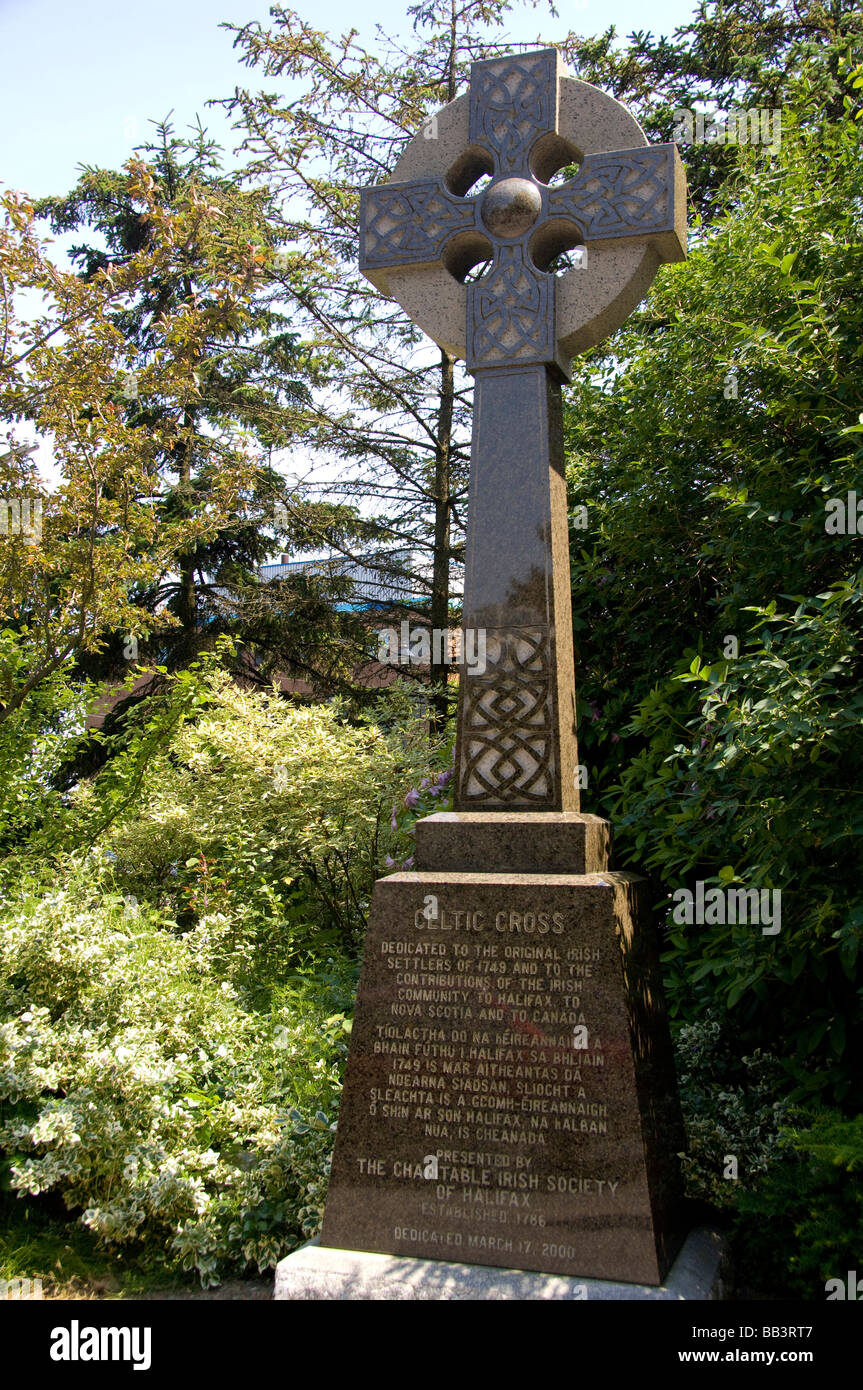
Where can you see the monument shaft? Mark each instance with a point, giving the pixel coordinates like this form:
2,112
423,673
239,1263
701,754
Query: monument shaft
516,745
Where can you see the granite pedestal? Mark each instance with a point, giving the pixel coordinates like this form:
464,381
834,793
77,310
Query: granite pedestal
509,1097
700,1273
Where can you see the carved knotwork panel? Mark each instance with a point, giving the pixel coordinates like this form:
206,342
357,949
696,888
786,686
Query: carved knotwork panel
507,725
510,312
513,101
409,223
625,194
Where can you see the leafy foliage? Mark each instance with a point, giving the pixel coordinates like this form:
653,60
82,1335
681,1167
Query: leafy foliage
732,55
105,535
137,1085
731,1109
803,1225
177,980
208,246
719,621
266,823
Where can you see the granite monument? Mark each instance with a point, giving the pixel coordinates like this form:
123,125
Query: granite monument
509,1098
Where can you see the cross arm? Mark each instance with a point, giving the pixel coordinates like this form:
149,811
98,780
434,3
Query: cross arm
413,224
629,193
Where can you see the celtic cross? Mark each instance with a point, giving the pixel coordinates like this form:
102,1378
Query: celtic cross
517,326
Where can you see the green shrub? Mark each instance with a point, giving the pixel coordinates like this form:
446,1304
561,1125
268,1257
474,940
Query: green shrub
739,784
264,824
803,1223
34,738
173,1017
729,1108
135,1083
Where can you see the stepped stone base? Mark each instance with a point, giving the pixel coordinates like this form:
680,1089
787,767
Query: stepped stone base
700,1273
509,1097
513,842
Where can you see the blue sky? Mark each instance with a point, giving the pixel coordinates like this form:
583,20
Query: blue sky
82,78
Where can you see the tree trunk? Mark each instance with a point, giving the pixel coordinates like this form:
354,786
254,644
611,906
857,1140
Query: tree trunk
188,605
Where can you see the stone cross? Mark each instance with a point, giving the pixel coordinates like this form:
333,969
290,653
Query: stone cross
517,326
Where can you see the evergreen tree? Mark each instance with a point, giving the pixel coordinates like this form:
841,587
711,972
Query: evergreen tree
252,391
733,55
393,430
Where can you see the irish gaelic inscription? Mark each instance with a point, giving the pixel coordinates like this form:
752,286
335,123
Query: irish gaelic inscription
490,1112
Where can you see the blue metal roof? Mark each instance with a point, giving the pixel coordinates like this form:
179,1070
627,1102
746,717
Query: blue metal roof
373,583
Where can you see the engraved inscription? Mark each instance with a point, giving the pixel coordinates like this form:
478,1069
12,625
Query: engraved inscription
490,1110
507,1075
